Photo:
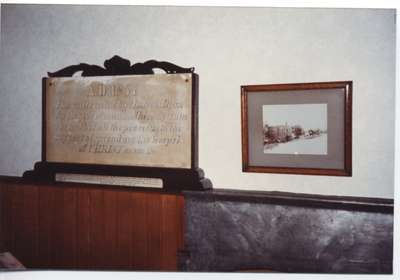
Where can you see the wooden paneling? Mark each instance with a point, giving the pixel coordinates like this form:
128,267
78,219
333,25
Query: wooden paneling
125,231
110,208
67,233
7,221
168,241
26,224
97,229
153,225
83,232
139,247
45,238
70,226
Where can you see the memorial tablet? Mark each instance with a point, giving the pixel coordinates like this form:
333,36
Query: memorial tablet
142,120
121,120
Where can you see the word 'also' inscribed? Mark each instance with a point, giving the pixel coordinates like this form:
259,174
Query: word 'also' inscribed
141,120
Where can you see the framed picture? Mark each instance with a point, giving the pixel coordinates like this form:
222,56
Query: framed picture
297,128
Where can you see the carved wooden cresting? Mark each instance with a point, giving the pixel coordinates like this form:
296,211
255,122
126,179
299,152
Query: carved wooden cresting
120,66
122,120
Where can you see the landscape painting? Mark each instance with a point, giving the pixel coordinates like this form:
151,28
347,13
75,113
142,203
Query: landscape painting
296,129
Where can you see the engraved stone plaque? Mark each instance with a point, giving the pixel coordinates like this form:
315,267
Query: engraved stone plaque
130,120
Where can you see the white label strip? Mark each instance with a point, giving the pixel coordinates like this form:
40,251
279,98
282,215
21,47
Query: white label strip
110,180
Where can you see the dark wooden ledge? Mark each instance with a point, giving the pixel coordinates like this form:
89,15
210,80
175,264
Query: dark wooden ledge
365,204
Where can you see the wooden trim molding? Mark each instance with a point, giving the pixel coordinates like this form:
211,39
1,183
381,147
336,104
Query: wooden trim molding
368,204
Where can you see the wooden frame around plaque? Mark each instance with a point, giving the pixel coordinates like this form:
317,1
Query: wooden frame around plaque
121,121
301,128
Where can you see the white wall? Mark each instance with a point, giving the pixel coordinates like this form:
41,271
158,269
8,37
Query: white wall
229,47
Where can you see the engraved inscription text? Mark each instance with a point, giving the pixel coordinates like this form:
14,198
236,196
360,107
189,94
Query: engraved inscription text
141,120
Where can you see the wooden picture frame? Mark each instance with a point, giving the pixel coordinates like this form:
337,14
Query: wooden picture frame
301,128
